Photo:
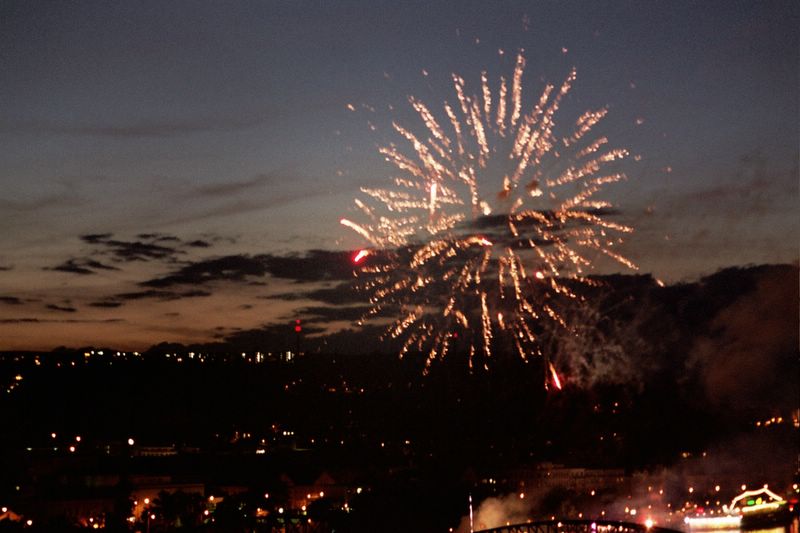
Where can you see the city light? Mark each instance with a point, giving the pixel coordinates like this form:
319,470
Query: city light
713,522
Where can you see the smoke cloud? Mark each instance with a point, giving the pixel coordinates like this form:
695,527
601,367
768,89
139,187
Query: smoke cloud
751,347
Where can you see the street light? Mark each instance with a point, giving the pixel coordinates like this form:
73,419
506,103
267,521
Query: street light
147,513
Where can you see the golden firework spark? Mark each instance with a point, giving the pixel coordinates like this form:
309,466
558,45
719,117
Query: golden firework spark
491,221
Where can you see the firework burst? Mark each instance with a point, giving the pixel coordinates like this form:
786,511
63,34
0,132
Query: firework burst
491,221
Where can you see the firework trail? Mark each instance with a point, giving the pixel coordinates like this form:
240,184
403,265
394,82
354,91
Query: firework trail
491,221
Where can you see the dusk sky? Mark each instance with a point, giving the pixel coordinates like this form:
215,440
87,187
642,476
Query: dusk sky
173,171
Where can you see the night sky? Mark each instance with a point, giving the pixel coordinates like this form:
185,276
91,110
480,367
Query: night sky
174,171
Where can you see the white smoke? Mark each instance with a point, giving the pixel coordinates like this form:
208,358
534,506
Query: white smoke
498,511
599,348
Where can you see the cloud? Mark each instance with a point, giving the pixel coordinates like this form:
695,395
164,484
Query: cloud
10,300
106,304
751,189
141,128
141,250
157,237
326,313
340,294
231,188
83,266
227,268
64,309
314,265
164,238
94,238
147,247
63,321
239,206
496,228
120,251
162,295
756,189
264,191
65,198
286,296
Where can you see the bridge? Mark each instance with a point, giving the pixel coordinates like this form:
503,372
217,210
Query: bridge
577,526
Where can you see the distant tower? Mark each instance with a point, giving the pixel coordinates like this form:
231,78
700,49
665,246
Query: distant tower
298,329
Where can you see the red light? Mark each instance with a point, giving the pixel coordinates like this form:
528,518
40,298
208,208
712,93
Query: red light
298,329
360,256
